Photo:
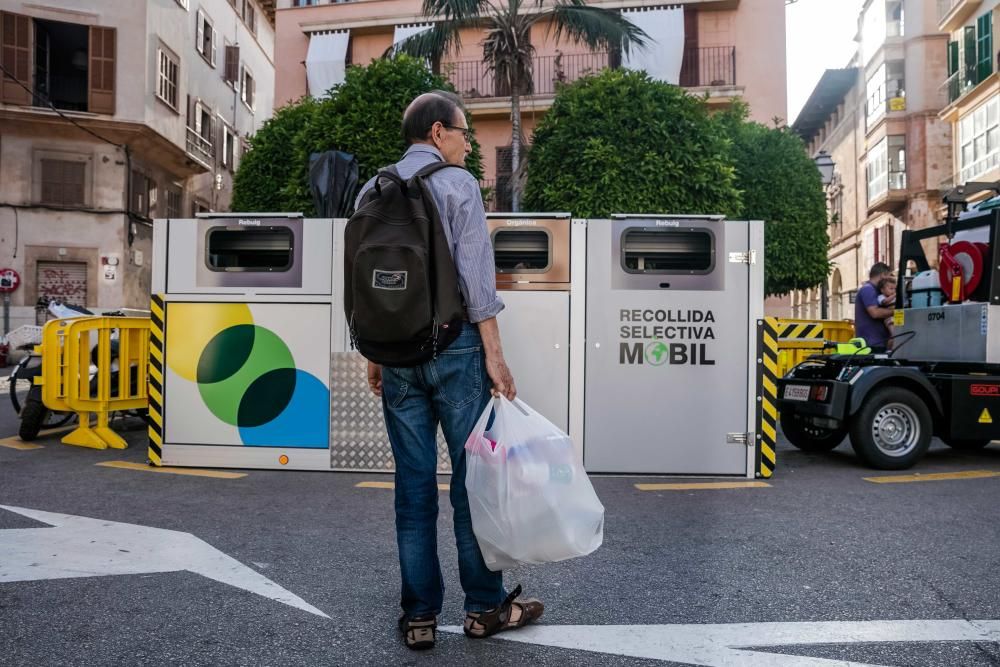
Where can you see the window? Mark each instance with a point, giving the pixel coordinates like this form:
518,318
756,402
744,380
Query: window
875,96
142,194
979,140
174,197
667,251
247,88
984,46
207,39
166,81
231,73
877,168
304,3
896,149
250,16
502,194
63,182
250,249
228,142
199,206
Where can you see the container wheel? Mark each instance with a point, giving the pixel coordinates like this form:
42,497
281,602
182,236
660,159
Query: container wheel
966,445
892,430
808,437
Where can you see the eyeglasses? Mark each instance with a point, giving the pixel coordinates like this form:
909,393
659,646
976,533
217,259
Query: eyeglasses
464,130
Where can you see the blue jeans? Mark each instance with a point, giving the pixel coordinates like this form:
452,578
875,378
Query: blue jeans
452,390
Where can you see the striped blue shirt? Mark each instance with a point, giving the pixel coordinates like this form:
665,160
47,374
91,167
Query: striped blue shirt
463,216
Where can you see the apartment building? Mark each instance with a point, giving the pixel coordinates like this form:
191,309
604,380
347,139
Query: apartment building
153,102
722,49
878,121
973,87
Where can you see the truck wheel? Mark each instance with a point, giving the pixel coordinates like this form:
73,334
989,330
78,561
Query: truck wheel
892,430
965,445
807,437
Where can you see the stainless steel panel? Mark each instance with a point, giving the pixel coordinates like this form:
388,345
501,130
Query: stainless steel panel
183,251
708,277
358,440
283,275
663,392
534,328
958,332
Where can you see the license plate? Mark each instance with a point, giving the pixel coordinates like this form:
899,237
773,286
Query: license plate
797,392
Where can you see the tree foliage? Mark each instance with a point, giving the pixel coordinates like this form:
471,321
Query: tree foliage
507,49
620,142
265,167
781,185
362,116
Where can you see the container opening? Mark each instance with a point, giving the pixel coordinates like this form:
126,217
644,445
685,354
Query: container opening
667,251
521,250
258,249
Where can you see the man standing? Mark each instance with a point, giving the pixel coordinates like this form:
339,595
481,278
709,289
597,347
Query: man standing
869,316
450,390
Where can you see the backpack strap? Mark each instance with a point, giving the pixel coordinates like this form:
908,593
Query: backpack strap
429,169
392,174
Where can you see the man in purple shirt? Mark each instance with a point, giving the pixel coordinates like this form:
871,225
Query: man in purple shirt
869,316
451,390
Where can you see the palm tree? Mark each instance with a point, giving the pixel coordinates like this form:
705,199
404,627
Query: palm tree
507,49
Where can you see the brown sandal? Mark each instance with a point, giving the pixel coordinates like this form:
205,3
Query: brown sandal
419,633
499,619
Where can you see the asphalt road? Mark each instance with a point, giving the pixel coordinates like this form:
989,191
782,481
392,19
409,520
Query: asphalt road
820,544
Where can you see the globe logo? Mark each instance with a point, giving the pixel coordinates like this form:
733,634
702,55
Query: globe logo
656,353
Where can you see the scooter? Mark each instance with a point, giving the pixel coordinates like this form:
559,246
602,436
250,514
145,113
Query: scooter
33,414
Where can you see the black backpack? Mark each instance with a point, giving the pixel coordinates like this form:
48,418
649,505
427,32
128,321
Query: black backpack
401,294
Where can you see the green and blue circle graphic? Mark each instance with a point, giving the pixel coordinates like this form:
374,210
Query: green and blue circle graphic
247,378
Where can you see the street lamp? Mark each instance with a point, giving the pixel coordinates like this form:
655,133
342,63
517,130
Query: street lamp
825,165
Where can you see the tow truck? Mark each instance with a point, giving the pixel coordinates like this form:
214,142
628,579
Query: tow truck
941,377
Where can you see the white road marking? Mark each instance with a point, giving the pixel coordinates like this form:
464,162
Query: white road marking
82,547
724,645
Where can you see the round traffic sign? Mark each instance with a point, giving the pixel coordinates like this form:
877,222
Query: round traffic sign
9,280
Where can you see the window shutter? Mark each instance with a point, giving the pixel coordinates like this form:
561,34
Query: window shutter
215,45
232,72
984,45
200,38
16,58
251,84
102,71
242,82
197,117
969,45
952,57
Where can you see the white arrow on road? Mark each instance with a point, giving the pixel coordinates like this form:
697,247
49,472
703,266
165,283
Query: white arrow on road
724,645
81,547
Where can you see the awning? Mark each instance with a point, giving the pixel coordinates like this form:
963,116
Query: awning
409,30
326,61
664,50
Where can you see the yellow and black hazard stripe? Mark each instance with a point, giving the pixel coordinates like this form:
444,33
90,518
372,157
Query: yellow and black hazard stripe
157,328
800,331
767,395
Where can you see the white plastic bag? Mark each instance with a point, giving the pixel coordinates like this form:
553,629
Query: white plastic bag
530,498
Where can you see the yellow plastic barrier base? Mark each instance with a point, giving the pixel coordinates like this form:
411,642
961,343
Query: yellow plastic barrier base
99,437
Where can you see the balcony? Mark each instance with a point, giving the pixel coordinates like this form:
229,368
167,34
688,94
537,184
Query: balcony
952,14
892,193
200,149
702,67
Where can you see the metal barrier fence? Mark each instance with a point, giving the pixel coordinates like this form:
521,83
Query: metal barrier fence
88,370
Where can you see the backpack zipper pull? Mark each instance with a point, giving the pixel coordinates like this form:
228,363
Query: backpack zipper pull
353,335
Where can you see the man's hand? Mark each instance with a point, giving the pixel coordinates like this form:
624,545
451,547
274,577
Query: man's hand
375,378
503,381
